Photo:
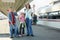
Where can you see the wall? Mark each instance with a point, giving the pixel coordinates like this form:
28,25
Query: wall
4,26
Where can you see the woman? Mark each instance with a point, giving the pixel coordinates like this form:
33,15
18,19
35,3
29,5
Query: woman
28,17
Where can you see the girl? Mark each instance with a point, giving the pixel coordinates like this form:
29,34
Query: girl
22,23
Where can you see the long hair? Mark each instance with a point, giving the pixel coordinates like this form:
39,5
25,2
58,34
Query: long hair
28,4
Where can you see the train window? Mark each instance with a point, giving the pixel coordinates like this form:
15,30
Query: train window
51,15
55,13
59,12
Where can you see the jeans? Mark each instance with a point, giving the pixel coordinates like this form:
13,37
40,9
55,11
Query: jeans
29,26
13,30
22,31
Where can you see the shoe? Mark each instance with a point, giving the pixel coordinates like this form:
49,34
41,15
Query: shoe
20,35
11,37
27,35
32,35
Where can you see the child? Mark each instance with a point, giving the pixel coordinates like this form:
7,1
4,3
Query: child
22,23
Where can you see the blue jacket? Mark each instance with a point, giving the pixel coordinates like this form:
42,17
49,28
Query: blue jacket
15,13
10,17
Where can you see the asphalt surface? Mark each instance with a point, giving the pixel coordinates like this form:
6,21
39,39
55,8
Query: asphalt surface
40,33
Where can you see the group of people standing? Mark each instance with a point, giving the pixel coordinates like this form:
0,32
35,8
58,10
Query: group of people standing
25,19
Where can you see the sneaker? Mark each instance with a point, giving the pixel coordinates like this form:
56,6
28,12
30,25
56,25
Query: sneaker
11,37
32,35
27,35
20,35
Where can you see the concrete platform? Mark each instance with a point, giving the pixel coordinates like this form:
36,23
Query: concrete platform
40,33
54,23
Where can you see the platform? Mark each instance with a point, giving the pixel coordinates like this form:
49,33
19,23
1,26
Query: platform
40,33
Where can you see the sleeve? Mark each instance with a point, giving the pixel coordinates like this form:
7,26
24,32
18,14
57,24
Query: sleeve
25,12
9,17
15,13
31,12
